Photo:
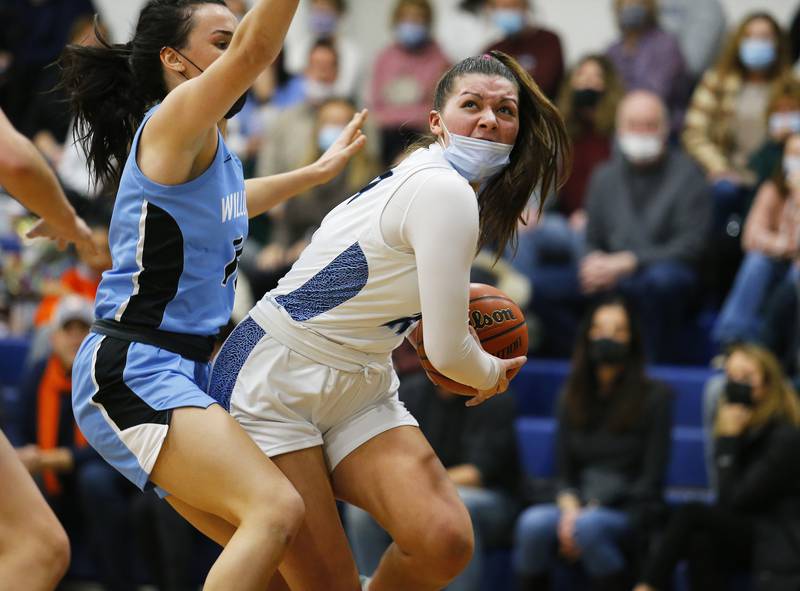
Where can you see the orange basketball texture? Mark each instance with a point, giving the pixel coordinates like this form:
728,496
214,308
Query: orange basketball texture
501,329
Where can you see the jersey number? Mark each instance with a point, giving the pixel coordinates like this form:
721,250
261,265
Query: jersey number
371,184
230,268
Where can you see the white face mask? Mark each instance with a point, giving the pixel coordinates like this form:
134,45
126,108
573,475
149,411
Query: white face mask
791,165
318,92
787,122
476,160
641,147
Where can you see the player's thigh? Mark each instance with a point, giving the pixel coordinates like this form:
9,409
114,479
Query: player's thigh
319,557
397,478
210,463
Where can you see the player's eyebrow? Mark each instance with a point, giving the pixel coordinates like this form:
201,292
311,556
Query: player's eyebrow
480,96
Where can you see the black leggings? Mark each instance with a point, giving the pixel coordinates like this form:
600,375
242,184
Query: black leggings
714,540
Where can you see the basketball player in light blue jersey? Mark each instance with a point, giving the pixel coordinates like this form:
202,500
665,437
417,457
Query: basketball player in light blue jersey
308,374
152,114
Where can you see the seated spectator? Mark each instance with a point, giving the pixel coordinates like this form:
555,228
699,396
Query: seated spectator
478,448
756,519
588,102
649,58
462,28
298,218
783,119
611,458
699,26
84,491
324,23
404,78
771,240
538,50
647,212
726,120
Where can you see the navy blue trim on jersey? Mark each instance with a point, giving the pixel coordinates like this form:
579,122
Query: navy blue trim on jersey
342,279
231,359
162,266
121,404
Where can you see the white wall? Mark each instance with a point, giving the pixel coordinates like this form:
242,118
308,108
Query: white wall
584,25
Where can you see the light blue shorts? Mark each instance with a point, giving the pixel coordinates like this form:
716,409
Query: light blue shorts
123,394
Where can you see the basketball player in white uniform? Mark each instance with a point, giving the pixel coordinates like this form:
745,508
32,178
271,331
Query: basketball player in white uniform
308,374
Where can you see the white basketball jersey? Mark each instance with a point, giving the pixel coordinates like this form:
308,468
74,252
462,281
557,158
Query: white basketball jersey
349,285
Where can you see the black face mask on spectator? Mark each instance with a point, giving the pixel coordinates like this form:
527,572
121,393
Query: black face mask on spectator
586,98
607,351
739,393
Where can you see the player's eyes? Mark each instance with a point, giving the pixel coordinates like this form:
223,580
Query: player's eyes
507,111
469,104
223,45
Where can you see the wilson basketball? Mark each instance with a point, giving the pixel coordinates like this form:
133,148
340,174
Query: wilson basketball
500,326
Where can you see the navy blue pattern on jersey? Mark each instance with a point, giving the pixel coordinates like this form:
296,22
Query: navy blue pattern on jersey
121,404
162,265
231,358
341,279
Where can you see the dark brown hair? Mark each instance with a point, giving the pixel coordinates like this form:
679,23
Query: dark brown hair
110,87
729,62
628,392
605,113
540,161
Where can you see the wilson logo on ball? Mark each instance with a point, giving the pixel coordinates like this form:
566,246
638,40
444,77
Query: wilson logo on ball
480,320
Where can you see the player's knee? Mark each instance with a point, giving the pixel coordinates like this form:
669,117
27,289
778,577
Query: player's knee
49,549
280,510
448,549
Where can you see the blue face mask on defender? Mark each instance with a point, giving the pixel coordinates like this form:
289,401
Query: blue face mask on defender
476,160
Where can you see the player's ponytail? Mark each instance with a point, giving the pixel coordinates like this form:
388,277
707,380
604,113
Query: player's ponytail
111,86
540,161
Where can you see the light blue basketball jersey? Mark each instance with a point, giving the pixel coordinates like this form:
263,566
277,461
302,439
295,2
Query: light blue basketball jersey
175,249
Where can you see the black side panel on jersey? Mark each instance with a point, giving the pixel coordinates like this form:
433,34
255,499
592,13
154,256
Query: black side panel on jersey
121,404
162,265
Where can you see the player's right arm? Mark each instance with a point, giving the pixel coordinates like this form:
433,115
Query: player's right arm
27,177
441,226
196,106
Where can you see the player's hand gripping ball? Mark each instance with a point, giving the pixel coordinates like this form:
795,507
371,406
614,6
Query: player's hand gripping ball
499,325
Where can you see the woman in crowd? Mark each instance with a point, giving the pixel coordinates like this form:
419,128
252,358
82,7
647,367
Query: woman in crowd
588,101
404,77
726,120
755,521
611,454
771,240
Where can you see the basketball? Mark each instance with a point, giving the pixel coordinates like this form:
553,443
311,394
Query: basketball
500,326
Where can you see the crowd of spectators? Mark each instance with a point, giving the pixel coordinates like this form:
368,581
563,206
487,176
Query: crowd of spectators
684,200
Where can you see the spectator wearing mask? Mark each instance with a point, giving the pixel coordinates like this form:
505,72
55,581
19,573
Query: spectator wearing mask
726,120
588,101
612,452
295,221
755,522
771,240
318,83
537,50
649,58
324,22
699,26
82,488
462,28
478,448
783,119
404,77
647,212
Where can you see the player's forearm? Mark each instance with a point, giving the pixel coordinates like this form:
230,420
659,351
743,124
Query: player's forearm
27,177
259,37
264,193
